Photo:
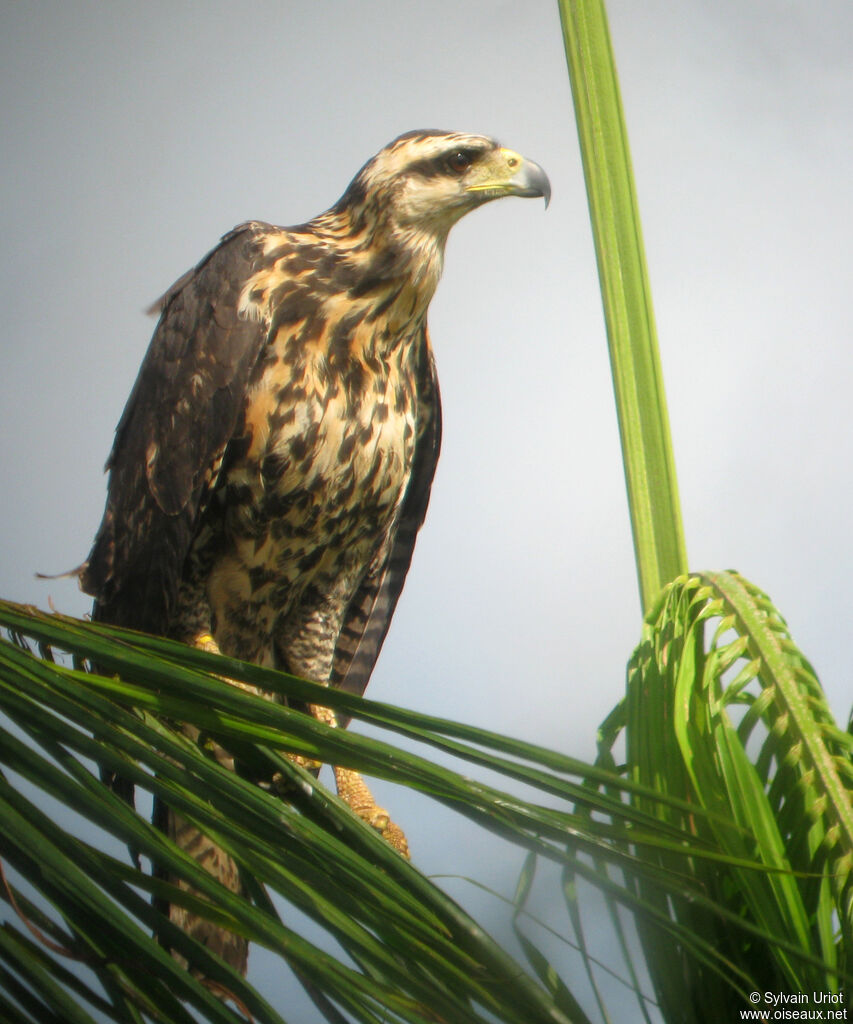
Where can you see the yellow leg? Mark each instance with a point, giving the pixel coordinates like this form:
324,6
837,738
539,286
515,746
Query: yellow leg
351,787
354,791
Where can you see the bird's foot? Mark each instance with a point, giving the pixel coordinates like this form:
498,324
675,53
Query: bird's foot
204,642
310,764
353,790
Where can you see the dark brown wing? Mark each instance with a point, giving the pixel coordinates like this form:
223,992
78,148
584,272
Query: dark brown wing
373,605
183,410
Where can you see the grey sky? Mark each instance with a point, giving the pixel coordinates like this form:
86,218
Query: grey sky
134,135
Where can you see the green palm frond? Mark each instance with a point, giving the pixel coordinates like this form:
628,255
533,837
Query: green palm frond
724,712
411,953
726,723
418,957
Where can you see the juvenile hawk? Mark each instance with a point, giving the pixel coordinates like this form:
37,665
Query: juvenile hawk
274,461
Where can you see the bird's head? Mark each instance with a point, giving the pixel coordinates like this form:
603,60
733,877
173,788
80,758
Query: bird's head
424,181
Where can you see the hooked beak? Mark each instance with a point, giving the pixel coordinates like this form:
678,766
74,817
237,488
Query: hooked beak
509,174
531,181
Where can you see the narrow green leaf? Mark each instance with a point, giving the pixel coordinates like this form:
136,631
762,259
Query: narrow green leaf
637,375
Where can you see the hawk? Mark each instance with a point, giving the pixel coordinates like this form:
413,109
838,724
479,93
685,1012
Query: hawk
274,461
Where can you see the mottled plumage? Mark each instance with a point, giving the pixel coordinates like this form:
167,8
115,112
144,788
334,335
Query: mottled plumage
274,461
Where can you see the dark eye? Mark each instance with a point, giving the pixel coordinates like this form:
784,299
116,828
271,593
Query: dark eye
459,161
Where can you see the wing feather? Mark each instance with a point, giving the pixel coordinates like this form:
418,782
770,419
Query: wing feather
372,607
184,408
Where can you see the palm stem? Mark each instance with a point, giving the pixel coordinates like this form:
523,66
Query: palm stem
637,377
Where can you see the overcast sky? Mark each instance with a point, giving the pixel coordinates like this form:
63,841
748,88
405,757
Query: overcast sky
134,135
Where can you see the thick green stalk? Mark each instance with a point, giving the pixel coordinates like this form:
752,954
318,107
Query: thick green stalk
635,362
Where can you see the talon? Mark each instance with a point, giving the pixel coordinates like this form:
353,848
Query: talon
394,836
276,784
353,790
216,751
205,642
308,763
379,819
